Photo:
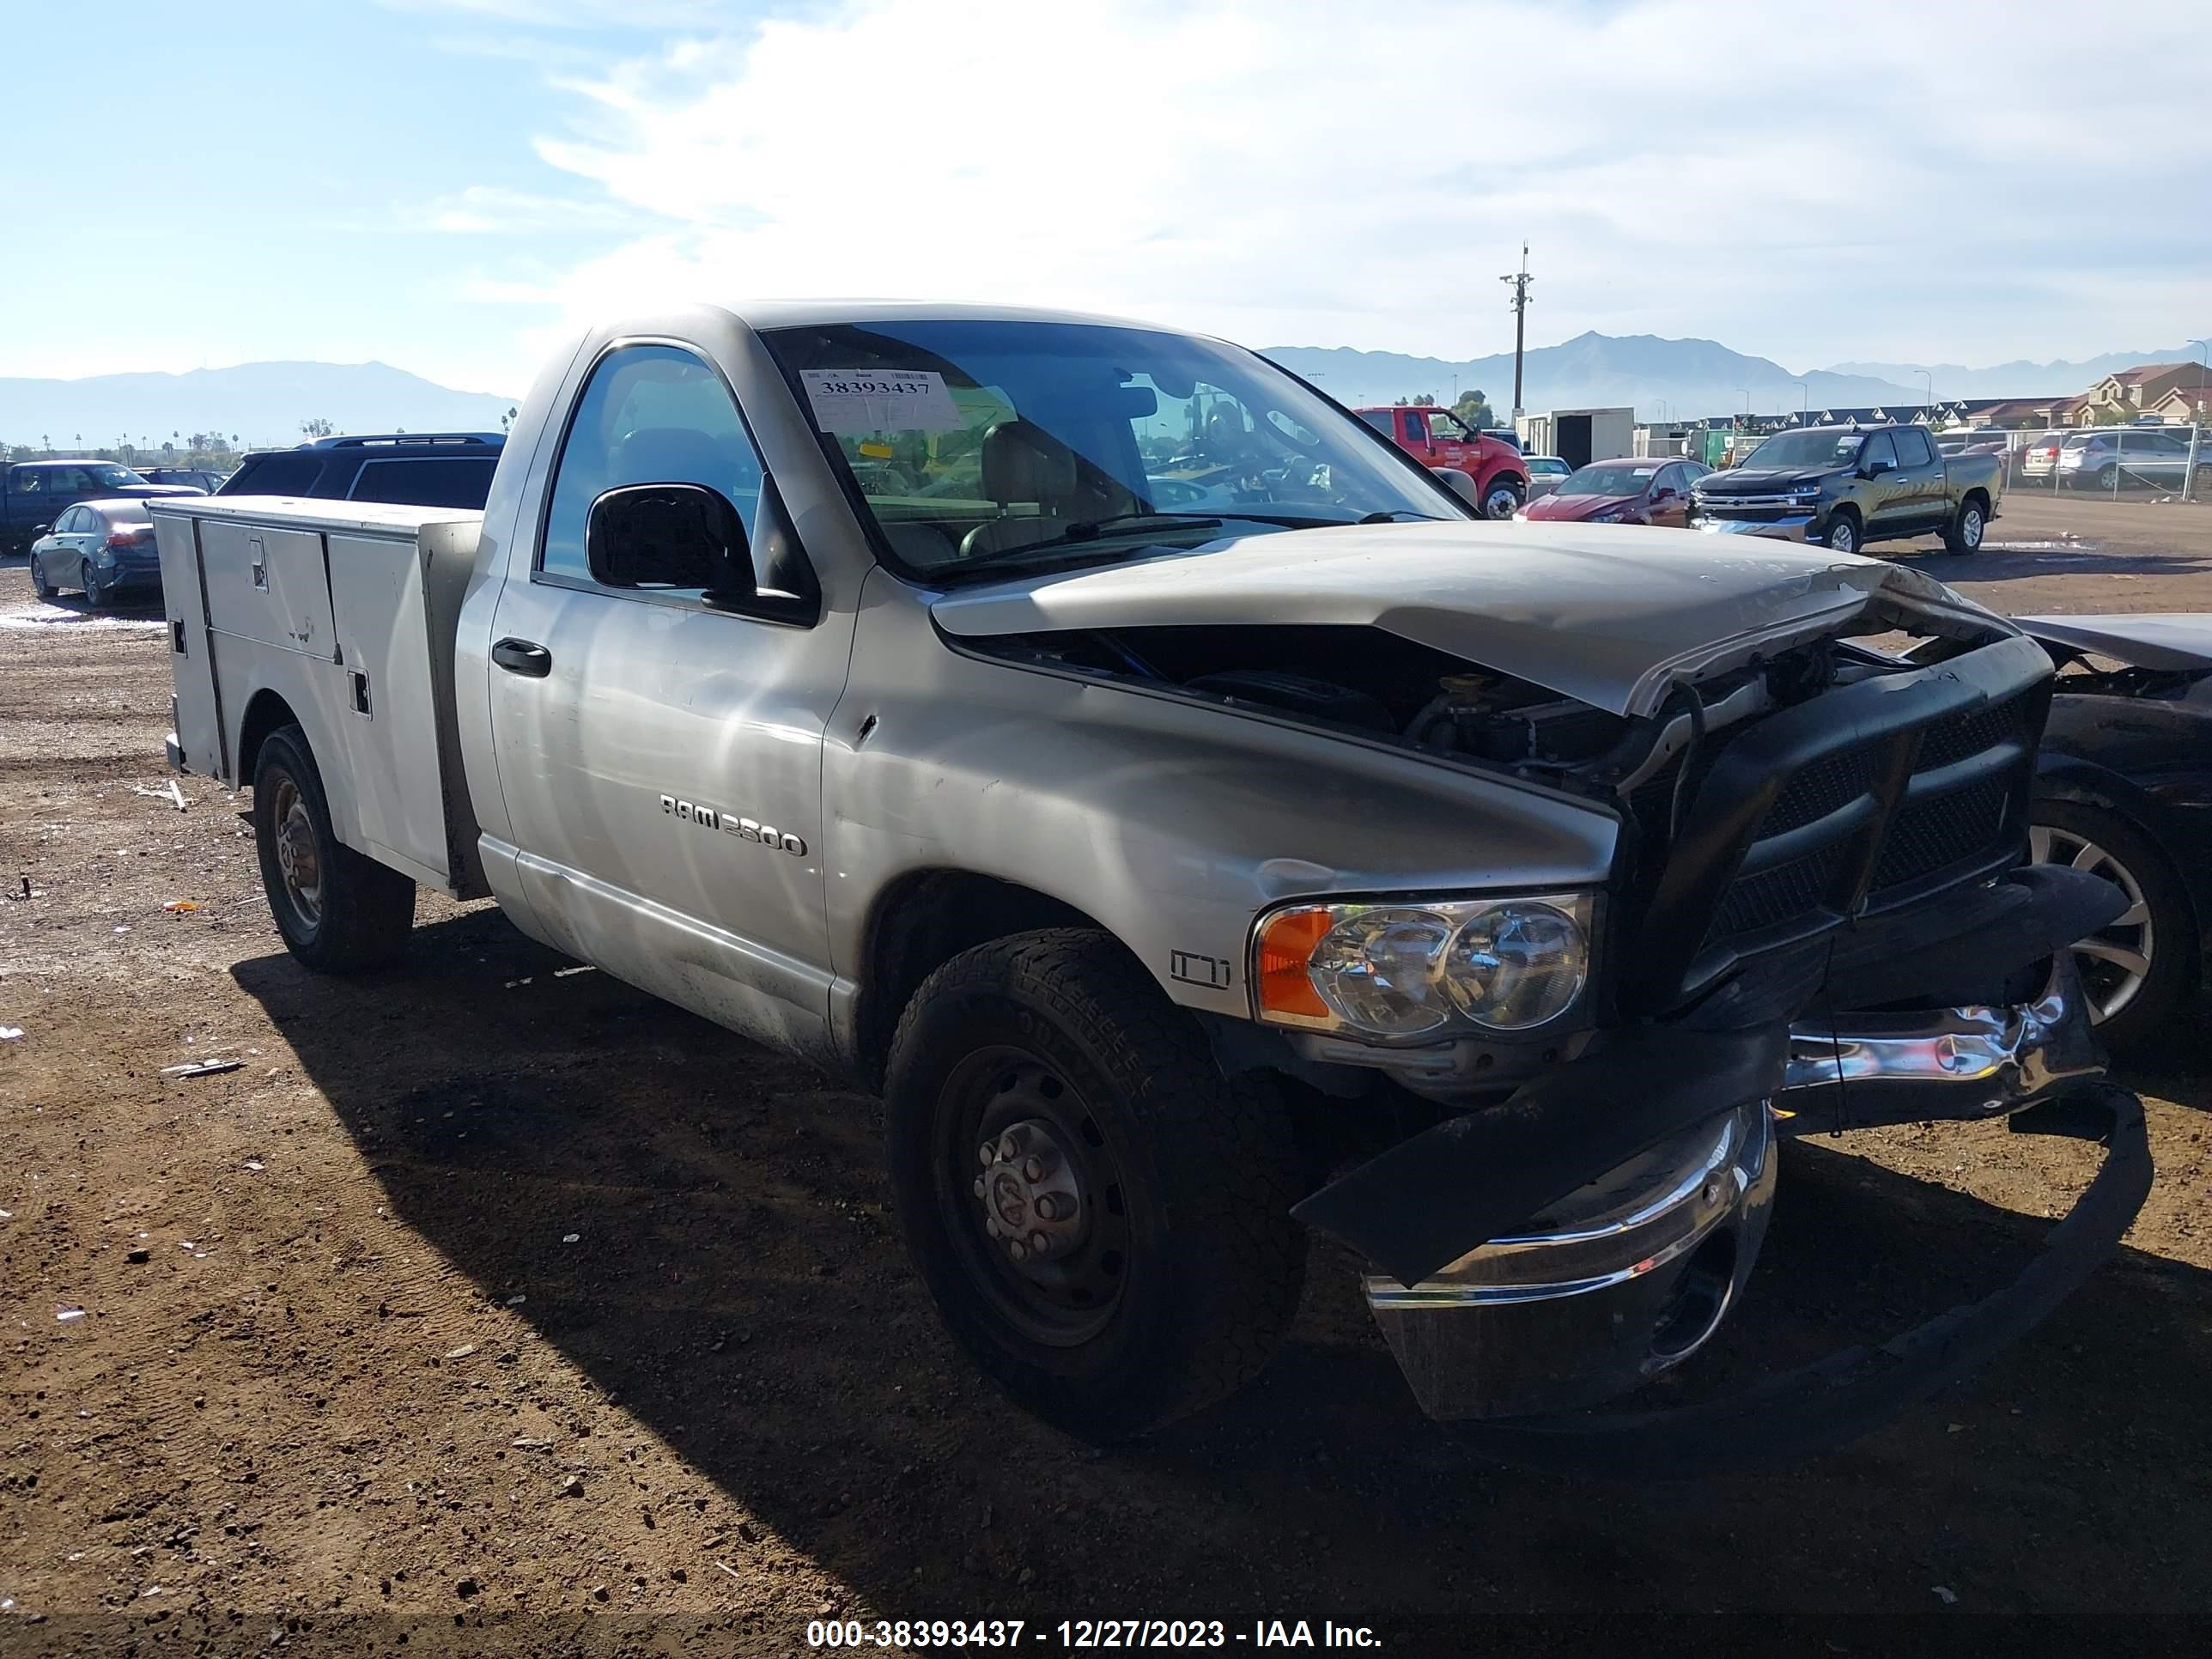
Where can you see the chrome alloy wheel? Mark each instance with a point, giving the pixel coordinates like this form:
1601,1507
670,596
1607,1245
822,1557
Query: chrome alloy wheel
2114,961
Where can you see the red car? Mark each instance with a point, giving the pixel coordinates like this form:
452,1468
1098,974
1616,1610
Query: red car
1436,437
1654,490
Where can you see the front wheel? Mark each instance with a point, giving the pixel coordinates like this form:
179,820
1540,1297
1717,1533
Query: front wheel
1843,533
1502,500
40,586
1103,1217
338,911
2136,969
1967,526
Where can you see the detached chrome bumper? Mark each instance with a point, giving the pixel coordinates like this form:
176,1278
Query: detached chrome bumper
1629,1275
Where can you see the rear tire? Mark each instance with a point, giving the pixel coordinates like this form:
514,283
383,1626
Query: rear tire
2108,478
95,595
2129,1006
40,586
1967,526
1182,1267
339,912
1843,535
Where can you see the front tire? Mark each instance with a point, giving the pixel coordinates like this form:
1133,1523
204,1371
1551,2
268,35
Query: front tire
339,912
2137,970
1967,526
1843,535
1102,1218
1502,500
40,586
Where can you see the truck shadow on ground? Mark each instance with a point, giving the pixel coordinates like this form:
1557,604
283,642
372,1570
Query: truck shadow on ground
738,1287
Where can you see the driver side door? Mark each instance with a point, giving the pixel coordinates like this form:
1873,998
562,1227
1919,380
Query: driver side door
1883,490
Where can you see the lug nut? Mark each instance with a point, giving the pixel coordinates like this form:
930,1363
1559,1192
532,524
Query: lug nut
979,1186
986,1154
1009,1148
1039,1244
1046,1209
1033,1169
1017,1250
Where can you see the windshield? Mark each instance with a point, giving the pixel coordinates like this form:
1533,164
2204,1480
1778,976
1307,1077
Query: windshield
1813,448
1610,478
112,478
975,442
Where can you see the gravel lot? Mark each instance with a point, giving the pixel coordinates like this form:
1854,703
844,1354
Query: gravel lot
491,1293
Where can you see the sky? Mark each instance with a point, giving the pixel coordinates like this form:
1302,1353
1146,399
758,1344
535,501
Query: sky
453,186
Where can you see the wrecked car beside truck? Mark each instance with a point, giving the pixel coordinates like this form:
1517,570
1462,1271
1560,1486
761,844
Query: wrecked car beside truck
1197,828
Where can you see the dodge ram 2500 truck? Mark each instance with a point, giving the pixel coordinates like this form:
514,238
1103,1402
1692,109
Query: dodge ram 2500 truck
1845,488
1305,855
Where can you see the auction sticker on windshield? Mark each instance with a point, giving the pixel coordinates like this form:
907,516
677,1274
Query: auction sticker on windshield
848,402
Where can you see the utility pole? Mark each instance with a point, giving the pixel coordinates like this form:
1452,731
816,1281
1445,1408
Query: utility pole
1519,283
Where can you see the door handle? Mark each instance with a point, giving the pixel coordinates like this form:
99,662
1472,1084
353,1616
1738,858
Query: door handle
522,657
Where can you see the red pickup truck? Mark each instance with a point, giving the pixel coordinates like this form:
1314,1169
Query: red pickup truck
1436,437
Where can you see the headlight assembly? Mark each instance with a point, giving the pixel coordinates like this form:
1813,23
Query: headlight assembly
1438,968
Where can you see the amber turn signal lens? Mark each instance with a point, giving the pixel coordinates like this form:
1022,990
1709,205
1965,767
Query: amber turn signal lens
1285,948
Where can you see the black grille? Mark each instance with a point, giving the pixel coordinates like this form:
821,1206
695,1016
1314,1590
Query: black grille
1926,835
1775,896
1819,789
1954,739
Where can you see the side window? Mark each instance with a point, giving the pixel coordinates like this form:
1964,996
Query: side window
650,414
293,474
1378,418
1669,481
27,481
1878,448
1913,447
1415,429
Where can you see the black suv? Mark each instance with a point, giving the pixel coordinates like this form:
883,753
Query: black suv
419,468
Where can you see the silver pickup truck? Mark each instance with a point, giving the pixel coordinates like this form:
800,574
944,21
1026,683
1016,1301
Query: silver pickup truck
1198,828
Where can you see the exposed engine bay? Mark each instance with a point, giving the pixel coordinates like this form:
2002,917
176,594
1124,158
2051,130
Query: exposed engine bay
1364,680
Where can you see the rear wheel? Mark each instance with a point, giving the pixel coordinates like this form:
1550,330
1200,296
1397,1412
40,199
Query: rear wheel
1502,499
39,585
1844,532
337,910
1102,1218
96,591
2136,969
1967,526
2108,478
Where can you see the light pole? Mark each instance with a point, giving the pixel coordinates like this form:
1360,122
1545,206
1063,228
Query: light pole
1804,393
2196,424
1930,404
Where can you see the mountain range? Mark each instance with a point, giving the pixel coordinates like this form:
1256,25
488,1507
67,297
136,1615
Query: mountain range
1680,379
265,403
261,404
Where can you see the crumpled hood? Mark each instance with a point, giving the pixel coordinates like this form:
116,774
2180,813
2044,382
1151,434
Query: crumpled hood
1609,614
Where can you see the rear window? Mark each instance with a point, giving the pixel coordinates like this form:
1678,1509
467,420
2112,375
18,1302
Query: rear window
275,475
443,482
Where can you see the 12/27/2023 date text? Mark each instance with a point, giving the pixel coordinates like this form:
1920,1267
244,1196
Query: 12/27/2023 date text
1085,1634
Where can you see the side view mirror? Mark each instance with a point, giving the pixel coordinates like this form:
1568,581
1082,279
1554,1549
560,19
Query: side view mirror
669,535
1460,485
1662,496
37,530
1876,468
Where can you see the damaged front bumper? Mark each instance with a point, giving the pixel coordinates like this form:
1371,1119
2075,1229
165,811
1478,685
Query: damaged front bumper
1628,1276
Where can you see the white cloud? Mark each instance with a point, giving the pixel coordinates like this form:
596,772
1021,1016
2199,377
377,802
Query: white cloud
1811,183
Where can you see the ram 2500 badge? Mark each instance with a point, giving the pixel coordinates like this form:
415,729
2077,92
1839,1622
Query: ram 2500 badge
1302,854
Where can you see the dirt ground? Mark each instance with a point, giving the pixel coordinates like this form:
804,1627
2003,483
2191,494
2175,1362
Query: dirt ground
491,1304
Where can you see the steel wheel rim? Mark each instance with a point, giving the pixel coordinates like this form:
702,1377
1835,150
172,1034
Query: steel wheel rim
2115,962
1066,1296
299,852
1499,504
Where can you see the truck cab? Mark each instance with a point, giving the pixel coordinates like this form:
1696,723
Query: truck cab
1436,437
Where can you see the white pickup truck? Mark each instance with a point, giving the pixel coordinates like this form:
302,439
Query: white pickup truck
1200,830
